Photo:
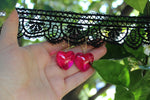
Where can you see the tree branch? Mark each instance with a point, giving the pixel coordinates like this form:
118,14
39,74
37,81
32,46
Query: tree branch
73,95
0,29
126,11
100,91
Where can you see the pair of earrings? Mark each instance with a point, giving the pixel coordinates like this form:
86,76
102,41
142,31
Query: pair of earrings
66,59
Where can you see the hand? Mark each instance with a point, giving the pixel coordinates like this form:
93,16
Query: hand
31,72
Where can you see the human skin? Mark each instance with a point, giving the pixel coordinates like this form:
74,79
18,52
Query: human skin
31,72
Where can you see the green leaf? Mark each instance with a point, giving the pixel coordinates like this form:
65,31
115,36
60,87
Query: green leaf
146,10
141,86
137,53
115,52
145,87
112,72
137,4
131,62
135,78
123,93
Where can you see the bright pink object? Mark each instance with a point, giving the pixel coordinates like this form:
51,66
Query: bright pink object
65,59
84,61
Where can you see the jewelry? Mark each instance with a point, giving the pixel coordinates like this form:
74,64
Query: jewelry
84,61
65,59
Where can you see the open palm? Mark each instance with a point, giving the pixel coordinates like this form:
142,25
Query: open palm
31,72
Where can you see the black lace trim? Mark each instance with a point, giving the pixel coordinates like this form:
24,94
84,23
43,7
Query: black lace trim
77,28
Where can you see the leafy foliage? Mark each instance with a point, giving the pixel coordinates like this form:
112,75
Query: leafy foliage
139,87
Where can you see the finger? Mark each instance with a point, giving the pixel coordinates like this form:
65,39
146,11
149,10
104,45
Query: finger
77,79
73,68
82,48
53,49
99,52
10,29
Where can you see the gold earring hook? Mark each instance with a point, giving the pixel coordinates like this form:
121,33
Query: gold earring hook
84,46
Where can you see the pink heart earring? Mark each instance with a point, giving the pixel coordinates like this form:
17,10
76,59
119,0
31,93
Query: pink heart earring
65,59
83,61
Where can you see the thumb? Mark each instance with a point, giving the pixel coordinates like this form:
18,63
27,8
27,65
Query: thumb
10,29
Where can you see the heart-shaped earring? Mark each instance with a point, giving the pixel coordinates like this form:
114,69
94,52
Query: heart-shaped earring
84,61
65,59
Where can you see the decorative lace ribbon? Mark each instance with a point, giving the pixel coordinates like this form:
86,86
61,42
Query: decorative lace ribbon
78,28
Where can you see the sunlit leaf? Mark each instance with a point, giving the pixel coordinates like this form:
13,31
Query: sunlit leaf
112,72
137,4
